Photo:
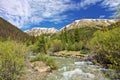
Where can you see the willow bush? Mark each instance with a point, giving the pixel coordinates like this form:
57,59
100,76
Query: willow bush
107,46
12,60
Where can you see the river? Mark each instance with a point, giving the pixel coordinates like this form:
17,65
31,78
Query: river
73,69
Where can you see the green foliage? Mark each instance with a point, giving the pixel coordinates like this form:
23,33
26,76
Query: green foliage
56,46
35,47
77,46
12,60
83,51
76,35
71,47
107,46
76,38
41,44
48,60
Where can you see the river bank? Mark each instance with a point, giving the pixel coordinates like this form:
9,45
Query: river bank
36,70
70,54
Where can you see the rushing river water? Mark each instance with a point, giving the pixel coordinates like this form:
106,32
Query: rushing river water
72,69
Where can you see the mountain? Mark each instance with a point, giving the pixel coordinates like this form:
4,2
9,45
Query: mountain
39,31
83,23
96,23
7,30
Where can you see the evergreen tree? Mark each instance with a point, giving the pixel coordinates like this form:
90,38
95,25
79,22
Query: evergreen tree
76,35
42,44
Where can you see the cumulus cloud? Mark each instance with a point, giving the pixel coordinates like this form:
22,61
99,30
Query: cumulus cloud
23,12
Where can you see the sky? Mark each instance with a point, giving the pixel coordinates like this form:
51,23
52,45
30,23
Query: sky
27,14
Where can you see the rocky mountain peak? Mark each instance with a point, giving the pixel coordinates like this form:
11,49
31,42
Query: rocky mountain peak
90,23
96,23
39,31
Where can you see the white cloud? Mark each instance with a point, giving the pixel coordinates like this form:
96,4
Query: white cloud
86,3
15,11
58,19
23,12
111,4
108,4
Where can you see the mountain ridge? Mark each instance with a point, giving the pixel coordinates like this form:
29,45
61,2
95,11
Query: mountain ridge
38,31
89,23
96,23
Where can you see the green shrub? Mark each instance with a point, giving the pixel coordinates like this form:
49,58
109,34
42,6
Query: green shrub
35,48
83,51
107,46
56,46
12,60
71,47
77,46
48,60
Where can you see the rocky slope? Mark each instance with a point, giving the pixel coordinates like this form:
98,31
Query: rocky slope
39,31
97,23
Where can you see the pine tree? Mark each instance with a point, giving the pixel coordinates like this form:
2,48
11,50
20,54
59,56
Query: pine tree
42,44
76,35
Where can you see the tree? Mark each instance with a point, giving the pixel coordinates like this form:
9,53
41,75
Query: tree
42,44
64,38
76,35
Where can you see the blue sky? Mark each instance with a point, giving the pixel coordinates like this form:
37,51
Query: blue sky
27,14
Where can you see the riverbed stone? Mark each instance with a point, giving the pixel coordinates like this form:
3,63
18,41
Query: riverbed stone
40,66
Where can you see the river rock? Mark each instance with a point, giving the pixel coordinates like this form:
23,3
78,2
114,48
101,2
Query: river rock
40,67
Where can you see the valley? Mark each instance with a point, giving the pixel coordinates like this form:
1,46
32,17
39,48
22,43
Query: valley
86,49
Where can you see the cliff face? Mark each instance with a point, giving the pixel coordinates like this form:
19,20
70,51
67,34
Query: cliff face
39,31
97,23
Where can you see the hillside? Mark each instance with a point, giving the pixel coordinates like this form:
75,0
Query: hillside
7,30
